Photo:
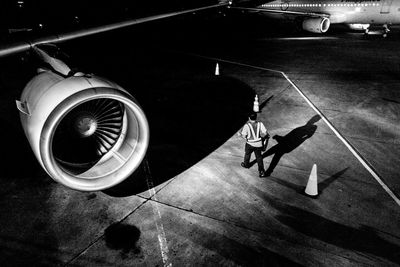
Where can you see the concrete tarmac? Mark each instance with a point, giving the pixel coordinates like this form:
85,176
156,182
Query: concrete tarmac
191,203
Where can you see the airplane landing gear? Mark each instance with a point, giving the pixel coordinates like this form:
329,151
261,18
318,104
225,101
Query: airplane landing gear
385,30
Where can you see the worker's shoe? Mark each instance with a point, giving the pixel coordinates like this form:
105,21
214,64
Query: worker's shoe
244,165
263,174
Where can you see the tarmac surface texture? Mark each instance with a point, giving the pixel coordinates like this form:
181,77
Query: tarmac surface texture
191,203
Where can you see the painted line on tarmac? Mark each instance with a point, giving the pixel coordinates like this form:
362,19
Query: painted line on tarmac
226,61
300,38
352,149
162,240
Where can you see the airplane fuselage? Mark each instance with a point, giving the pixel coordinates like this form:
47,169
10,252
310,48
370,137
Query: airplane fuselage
344,11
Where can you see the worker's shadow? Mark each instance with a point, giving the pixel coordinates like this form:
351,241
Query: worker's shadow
290,141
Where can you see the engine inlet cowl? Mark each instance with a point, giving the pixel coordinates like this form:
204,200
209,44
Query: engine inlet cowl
88,133
316,25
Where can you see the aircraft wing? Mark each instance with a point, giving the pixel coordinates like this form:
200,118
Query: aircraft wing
17,47
275,11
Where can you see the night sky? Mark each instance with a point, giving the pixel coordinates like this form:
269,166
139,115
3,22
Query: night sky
16,14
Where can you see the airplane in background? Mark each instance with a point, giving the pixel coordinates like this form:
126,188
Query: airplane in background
316,16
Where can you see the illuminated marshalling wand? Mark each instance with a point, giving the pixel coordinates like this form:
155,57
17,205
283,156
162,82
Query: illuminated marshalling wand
13,48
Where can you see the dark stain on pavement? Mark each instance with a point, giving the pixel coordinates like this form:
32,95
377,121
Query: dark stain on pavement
123,237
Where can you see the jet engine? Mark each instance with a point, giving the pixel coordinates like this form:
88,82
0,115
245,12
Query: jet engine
316,25
88,133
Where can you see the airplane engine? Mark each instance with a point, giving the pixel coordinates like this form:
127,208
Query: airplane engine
316,25
88,133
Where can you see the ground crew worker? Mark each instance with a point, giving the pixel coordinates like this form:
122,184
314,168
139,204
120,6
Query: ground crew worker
254,133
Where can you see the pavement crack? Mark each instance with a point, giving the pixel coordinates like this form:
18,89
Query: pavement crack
275,234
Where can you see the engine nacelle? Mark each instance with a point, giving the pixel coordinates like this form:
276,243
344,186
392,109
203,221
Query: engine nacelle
88,133
316,25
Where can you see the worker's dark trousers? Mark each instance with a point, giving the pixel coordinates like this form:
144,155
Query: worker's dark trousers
257,151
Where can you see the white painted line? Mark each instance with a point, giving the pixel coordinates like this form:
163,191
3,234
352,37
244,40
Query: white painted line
346,143
366,165
230,62
302,38
162,240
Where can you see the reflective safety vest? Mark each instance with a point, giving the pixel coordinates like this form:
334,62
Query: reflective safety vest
255,136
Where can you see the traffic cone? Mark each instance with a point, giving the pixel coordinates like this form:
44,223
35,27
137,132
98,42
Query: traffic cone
256,106
217,69
312,184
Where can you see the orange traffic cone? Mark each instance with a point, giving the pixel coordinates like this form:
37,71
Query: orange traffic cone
217,69
312,184
256,106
